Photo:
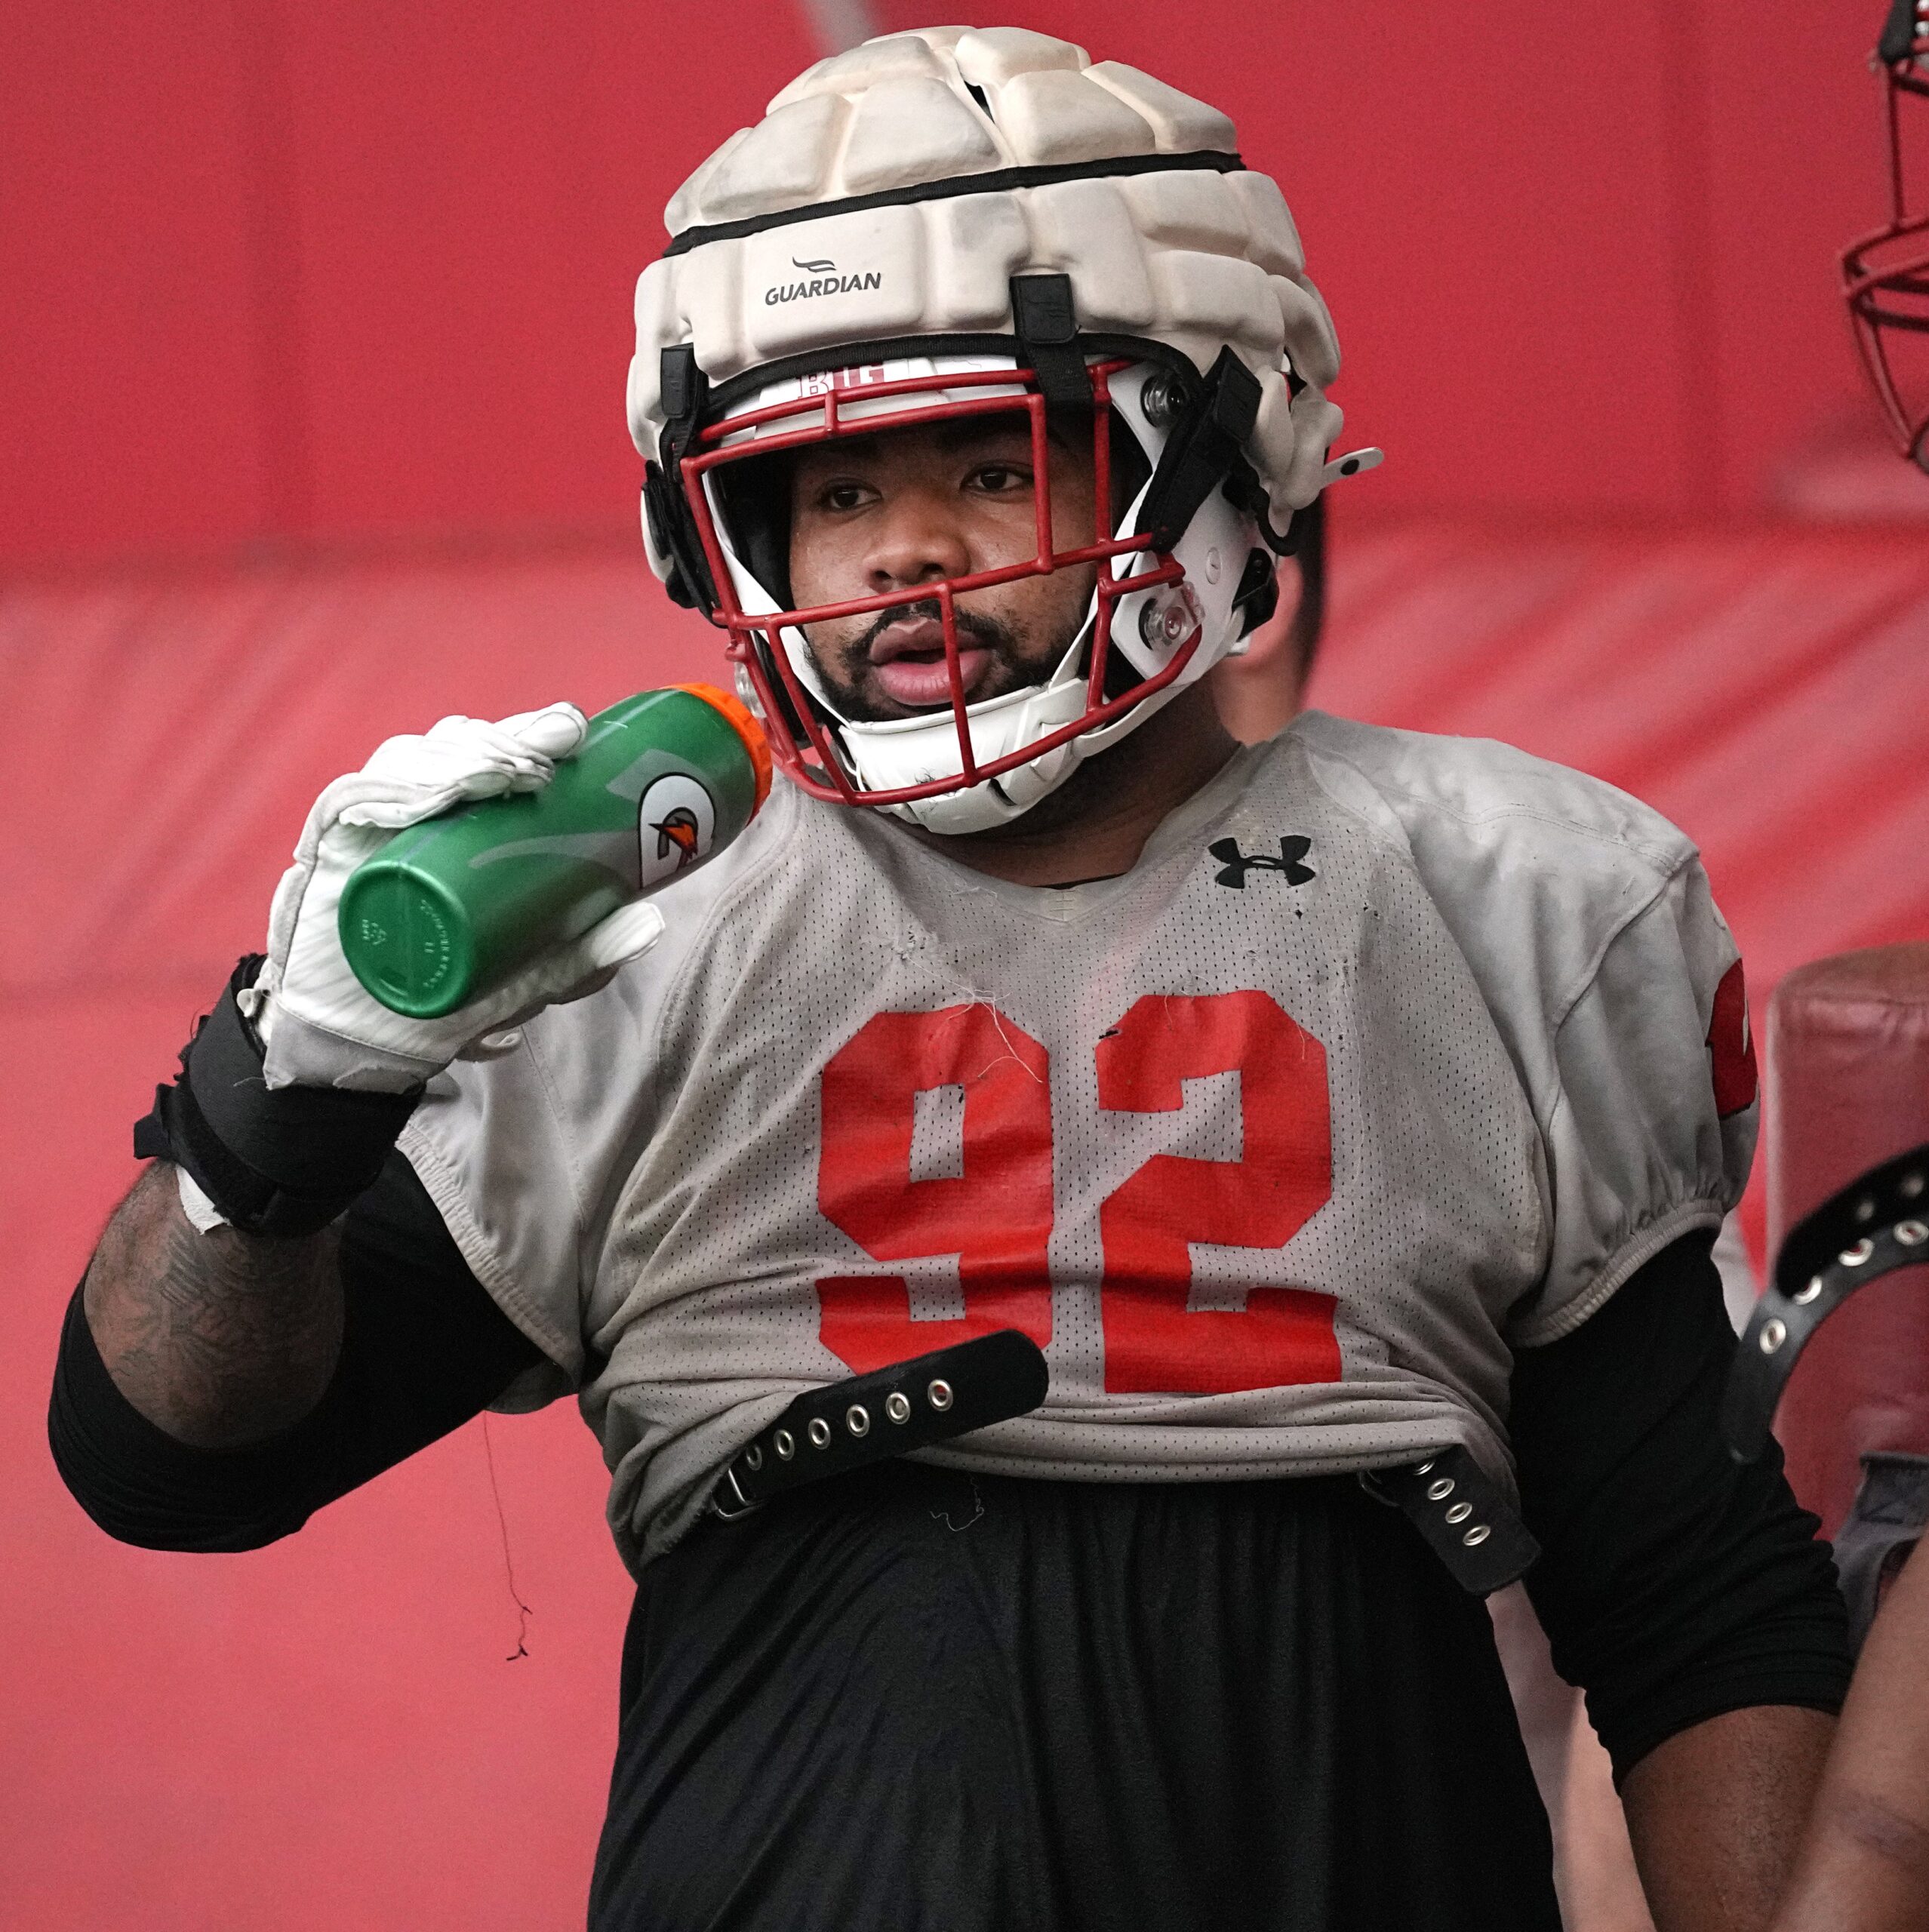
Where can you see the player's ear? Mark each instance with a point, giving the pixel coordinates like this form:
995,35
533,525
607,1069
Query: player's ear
1257,694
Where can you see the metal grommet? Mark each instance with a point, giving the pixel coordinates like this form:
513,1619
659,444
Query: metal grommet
896,1407
819,1432
1421,1469
857,1420
1162,399
1475,1536
939,1394
753,1457
1459,1513
1864,1208
1438,1492
1773,1334
1911,1234
1910,1186
1853,1257
1803,1296
785,1444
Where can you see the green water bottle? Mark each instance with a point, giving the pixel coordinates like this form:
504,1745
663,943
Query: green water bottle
452,907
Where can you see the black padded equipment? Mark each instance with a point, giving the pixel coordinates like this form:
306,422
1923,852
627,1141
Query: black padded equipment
282,1161
1875,1226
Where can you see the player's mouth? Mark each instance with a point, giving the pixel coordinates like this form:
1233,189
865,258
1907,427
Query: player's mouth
908,662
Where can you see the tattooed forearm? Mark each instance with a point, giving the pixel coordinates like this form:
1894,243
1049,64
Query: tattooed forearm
220,1339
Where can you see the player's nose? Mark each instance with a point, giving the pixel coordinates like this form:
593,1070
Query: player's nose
916,538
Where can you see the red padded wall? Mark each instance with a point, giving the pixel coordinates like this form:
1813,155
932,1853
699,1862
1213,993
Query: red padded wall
283,269
131,382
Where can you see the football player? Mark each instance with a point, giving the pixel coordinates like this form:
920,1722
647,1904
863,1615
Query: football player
1346,1119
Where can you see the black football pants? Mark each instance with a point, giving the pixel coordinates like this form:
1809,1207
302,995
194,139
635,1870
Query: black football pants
914,1699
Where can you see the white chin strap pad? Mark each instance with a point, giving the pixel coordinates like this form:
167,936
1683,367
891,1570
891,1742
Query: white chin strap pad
911,751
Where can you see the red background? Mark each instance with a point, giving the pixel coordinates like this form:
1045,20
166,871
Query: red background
316,318
279,271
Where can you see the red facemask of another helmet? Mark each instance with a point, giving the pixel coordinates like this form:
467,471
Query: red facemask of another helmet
1886,275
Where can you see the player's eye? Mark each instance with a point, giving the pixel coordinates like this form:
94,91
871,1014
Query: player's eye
1001,479
841,495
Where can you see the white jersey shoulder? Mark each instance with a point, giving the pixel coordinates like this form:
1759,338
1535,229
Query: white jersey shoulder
1524,857
1586,917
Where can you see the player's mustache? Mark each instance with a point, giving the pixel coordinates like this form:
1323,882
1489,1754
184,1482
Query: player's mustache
974,625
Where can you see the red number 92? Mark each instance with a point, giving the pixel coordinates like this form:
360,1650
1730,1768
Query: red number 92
996,1215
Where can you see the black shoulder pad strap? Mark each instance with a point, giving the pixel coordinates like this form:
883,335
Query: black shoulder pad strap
281,1161
863,1419
1206,446
1460,1509
1872,1227
1046,326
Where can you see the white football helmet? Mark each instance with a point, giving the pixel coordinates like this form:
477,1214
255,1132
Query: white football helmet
957,221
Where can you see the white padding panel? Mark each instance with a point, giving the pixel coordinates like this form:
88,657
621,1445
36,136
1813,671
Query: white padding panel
1083,227
1058,117
1316,426
1220,293
897,56
908,131
1274,240
1307,329
781,165
988,56
978,243
684,206
1189,211
708,290
658,321
1181,124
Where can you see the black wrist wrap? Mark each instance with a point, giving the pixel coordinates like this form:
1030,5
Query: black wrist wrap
281,1161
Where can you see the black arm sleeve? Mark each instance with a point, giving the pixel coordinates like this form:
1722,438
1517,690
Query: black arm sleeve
424,1349
1675,1584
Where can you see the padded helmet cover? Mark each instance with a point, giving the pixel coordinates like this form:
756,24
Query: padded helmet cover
766,266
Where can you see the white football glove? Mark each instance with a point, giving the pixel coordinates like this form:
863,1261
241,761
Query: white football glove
320,1027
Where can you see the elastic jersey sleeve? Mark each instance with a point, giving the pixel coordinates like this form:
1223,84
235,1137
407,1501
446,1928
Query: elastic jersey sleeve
1653,1119
424,1349
1674,1584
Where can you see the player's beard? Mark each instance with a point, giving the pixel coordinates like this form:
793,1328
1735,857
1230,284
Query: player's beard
1017,659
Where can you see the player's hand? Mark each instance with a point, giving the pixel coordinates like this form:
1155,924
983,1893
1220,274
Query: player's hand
319,1025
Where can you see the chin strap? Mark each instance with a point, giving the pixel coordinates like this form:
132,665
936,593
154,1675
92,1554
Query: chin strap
1205,450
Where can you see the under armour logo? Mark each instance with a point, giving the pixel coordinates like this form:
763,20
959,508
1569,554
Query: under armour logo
1236,864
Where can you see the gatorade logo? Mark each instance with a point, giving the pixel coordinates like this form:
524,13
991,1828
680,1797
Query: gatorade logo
676,824
677,835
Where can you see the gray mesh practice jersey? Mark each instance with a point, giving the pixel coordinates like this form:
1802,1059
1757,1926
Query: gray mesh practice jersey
1392,1055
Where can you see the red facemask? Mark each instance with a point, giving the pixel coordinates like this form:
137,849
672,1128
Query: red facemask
1885,275
843,403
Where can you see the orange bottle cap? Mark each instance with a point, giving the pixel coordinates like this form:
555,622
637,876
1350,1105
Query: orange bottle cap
746,728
